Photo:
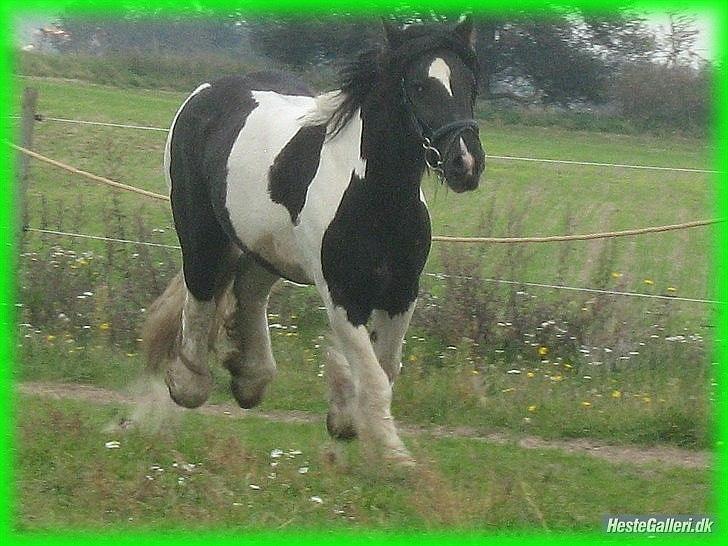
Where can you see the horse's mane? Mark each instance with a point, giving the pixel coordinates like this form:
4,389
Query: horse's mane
358,79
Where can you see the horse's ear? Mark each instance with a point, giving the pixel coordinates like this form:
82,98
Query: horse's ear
465,30
392,33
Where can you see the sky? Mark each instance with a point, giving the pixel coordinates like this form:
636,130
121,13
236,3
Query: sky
703,22
657,21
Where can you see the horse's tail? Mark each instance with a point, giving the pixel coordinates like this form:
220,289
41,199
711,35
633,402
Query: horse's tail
163,324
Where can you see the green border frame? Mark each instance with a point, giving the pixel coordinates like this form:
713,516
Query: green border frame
715,8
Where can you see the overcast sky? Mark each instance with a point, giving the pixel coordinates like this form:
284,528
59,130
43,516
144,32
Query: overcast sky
703,22
25,25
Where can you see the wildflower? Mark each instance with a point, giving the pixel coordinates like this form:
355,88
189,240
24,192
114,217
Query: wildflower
616,394
510,389
543,351
530,374
532,408
557,377
586,404
616,274
671,289
413,358
104,326
50,337
649,282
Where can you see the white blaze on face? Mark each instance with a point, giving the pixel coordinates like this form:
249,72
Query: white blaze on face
441,72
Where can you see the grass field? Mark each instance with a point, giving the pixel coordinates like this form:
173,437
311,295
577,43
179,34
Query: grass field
478,355
201,472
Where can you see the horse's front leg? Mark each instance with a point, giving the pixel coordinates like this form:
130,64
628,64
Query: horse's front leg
387,333
370,409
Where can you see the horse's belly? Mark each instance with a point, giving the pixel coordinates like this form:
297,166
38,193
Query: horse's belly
261,225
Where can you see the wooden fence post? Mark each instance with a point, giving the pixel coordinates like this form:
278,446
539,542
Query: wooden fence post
30,99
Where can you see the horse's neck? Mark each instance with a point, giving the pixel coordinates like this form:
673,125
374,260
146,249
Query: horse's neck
393,157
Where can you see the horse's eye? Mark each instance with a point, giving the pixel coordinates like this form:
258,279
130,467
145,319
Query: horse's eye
418,87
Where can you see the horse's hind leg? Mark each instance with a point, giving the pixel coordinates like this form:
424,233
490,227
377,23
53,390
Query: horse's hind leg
207,256
249,357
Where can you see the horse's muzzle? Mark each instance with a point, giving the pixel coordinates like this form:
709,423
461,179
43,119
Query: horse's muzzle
465,163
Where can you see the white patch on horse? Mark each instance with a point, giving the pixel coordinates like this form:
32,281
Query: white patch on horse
440,71
325,105
167,146
340,157
262,225
468,159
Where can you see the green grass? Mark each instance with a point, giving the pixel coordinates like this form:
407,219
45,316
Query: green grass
67,479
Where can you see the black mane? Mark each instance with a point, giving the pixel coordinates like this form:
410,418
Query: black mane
359,78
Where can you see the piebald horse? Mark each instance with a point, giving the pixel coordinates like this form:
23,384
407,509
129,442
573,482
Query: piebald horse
269,181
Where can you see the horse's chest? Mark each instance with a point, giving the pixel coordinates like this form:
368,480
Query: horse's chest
374,250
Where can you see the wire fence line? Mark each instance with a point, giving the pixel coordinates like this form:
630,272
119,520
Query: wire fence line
439,276
490,156
435,238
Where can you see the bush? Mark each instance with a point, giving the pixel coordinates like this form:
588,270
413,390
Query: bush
657,96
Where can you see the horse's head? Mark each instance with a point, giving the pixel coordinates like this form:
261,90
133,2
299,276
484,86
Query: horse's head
438,86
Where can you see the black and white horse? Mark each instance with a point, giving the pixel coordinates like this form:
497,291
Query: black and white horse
269,181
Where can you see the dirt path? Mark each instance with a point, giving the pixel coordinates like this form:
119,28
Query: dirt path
661,455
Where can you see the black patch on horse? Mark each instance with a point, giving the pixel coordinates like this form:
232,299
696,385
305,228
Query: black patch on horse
202,139
374,250
294,168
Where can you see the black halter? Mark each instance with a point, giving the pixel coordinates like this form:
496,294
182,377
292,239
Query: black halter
430,139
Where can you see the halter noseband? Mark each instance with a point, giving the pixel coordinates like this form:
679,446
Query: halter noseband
429,137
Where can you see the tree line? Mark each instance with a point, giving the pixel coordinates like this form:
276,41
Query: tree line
561,56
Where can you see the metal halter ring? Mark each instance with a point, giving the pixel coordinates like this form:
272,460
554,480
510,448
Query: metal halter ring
433,158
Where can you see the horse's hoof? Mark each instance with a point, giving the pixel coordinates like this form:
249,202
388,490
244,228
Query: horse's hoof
340,428
187,388
248,394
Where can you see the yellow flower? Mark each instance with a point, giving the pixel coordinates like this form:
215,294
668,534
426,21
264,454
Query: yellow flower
649,281
50,337
616,394
671,289
413,358
616,274
586,404
532,408
556,378
530,374
104,326
543,351
510,389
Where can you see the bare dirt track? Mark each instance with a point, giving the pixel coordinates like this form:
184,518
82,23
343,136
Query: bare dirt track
640,455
